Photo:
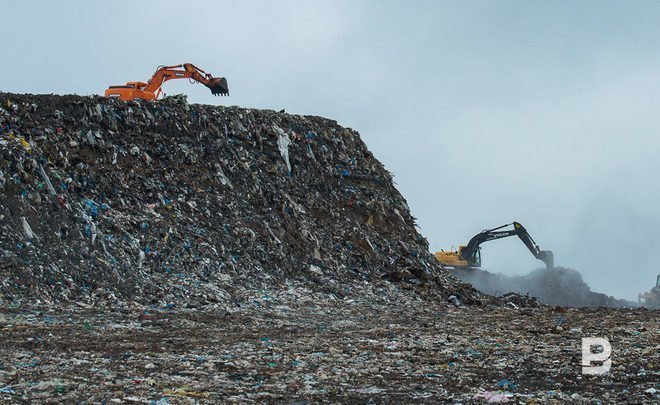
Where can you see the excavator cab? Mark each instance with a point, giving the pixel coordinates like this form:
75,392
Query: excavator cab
129,91
476,257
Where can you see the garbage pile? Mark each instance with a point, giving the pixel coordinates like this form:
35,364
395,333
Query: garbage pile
557,286
173,204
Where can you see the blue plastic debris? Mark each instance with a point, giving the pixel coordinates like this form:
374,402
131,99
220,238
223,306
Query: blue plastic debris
506,384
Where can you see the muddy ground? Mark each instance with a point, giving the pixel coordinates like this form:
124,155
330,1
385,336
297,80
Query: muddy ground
309,348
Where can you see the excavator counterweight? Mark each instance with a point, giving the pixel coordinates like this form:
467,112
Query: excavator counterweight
469,256
151,90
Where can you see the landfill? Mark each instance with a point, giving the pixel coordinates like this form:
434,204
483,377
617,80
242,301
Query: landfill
165,252
189,205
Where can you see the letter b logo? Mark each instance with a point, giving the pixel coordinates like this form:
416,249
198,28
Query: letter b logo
588,356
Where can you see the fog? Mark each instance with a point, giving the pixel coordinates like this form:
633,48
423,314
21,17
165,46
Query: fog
557,286
486,112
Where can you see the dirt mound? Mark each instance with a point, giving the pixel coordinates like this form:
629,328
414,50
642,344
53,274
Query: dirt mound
557,286
167,203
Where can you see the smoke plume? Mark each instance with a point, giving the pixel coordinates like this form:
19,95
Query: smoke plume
558,286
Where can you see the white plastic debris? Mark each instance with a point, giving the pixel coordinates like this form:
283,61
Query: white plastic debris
283,142
44,176
27,229
454,300
99,112
140,259
315,269
90,137
223,177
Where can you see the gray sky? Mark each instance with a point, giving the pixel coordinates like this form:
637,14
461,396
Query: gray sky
485,111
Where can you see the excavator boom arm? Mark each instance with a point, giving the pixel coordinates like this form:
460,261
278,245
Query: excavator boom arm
189,71
470,251
546,256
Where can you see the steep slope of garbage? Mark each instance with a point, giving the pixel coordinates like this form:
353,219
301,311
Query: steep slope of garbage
169,203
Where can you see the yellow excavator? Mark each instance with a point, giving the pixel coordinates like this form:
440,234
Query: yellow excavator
469,256
651,299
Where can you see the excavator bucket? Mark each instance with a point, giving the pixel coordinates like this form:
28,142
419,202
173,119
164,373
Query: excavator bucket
548,258
218,86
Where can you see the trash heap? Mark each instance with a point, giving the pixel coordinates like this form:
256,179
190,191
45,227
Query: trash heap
173,204
557,286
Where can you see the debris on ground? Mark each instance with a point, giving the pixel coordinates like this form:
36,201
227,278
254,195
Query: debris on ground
302,346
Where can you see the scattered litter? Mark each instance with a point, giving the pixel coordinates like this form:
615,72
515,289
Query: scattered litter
492,397
196,254
506,384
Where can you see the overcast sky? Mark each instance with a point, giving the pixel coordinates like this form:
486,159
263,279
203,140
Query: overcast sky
544,112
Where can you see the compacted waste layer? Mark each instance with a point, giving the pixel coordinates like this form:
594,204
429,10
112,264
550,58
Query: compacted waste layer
302,347
175,204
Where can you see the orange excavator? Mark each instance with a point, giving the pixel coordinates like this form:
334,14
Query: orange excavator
151,90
